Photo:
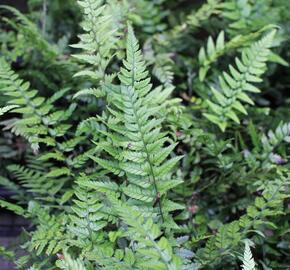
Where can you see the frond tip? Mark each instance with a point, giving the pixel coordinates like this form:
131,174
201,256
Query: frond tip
248,260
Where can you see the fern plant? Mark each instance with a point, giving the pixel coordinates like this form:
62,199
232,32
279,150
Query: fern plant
137,151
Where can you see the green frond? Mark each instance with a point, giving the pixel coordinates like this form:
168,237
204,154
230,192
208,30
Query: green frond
38,182
229,96
6,109
26,102
18,210
134,72
213,50
4,253
98,43
89,215
11,186
68,263
140,152
267,145
248,261
158,253
274,138
195,19
49,236
104,149
163,69
87,219
148,15
266,206
30,33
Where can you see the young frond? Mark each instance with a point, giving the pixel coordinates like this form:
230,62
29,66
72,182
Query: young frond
248,261
233,86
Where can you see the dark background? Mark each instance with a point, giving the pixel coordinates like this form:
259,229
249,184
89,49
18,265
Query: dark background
19,4
10,225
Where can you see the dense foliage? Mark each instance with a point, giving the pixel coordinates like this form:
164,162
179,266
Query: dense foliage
147,134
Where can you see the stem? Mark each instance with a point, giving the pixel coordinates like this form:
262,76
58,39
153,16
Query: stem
142,136
44,13
149,161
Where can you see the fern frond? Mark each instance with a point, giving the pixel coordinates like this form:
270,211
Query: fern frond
26,102
31,33
49,236
68,263
163,69
140,152
148,15
11,186
269,204
267,145
87,219
238,13
37,182
195,19
234,85
40,121
248,261
274,138
213,50
18,210
6,109
90,214
4,253
158,253
98,43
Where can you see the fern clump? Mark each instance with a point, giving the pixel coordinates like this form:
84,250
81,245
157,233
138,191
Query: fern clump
159,139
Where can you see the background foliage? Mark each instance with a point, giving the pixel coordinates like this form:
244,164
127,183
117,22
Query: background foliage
147,134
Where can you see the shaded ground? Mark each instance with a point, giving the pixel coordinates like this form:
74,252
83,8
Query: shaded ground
10,228
6,241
